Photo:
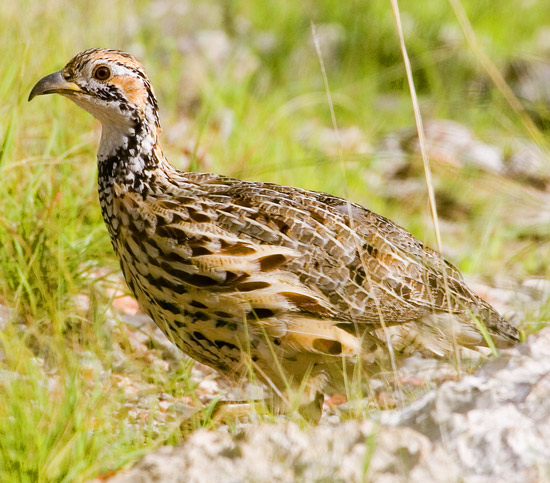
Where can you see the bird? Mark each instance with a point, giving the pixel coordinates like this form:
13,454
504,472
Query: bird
291,286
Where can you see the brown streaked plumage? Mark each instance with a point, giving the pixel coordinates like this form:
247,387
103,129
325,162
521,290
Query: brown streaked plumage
240,273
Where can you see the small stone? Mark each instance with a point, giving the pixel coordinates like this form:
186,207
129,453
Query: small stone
126,305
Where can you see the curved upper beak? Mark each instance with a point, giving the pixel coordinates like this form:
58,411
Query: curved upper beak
53,83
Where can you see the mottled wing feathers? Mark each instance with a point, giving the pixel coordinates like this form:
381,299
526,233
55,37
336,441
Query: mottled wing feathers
347,258
369,267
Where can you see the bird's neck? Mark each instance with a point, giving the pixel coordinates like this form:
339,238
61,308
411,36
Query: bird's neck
129,154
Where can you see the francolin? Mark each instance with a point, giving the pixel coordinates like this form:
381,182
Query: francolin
294,285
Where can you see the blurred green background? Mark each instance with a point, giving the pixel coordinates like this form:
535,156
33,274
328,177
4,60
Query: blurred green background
241,93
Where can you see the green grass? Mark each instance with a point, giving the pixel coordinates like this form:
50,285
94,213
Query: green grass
63,417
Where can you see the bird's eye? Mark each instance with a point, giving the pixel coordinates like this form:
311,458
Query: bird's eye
102,73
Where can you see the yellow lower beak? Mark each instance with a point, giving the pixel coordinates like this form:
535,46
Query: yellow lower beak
52,84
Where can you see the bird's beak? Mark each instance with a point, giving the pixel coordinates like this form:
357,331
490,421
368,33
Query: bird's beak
53,83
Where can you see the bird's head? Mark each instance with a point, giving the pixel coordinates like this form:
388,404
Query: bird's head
113,87
109,84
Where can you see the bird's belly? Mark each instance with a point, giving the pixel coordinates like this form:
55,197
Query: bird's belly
205,333
217,326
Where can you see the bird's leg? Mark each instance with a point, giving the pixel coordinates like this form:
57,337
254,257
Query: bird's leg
227,410
308,403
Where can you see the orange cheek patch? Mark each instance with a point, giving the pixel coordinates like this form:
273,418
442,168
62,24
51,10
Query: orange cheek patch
133,90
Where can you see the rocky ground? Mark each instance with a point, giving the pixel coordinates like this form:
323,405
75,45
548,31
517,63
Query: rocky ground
491,426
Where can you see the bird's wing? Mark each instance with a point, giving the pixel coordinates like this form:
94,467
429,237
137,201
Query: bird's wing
365,266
